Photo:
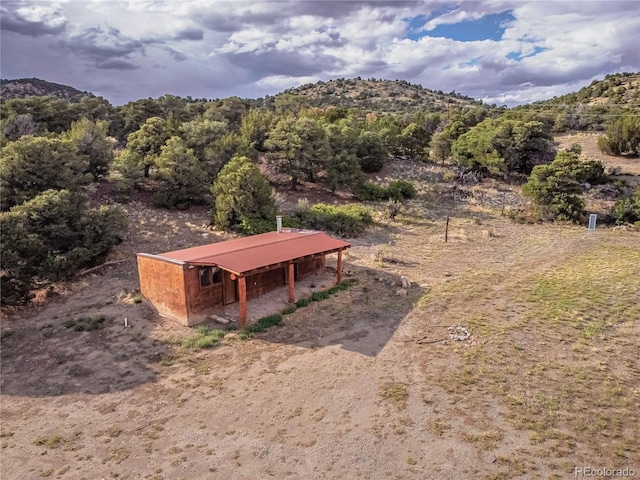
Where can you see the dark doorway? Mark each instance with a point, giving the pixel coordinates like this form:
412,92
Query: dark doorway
229,289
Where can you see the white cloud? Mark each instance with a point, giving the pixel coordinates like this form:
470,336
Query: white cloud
140,48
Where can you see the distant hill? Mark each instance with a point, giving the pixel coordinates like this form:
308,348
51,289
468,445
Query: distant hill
389,96
620,89
30,87
592,107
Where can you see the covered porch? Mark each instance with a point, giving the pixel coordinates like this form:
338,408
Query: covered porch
299,282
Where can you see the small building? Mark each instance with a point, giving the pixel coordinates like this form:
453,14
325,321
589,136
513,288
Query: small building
189,285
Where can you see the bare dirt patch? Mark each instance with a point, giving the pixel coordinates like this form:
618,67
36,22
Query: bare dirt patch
629,166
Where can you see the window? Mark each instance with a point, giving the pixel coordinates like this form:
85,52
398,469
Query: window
217,275
205,276
209,275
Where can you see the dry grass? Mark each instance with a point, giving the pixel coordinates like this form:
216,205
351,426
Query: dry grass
557,348
395,393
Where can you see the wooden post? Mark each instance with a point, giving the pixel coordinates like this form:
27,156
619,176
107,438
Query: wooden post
446,231
339,268
292,279
242,287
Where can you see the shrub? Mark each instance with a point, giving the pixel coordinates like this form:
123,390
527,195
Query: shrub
371,192
303,302
205,337
254,226
33,165
265,323
567,208
397,190
371,152
344,172
289,310
242,193
554,187
86,324
273,320
401,189
51,237
627,209
317,296
181,175
346,220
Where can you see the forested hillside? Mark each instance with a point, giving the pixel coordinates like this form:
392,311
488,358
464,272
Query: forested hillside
177,152
35,87
593,107
382,96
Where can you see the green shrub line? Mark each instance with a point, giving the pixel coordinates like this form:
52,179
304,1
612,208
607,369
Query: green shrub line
344,220
397,190
269,321
263,324
206,336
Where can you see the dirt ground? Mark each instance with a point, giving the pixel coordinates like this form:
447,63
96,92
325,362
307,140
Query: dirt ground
366,384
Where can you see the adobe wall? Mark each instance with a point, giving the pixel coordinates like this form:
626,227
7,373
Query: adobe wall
199,298
261,283
309,267
162,284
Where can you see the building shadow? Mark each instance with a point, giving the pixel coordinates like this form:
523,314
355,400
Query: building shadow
361,319
50,356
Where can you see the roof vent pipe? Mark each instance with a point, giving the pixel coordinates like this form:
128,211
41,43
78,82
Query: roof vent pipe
279,223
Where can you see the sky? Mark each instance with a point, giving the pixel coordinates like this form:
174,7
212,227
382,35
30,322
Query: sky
502,52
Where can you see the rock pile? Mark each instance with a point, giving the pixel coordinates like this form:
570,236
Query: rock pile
459,333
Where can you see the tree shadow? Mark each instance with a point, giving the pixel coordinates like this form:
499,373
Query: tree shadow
361,319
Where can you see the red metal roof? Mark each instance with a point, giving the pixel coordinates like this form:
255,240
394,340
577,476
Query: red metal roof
245,254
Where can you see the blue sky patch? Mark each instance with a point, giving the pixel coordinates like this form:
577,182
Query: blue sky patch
415,24
517,56
489,27
474,61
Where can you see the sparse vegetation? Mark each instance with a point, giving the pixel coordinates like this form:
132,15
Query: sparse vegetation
204,337
50,441
86,324
263,324
395,393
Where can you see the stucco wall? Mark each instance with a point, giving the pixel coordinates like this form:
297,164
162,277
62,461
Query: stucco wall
265,282
309,267
162,284
200,299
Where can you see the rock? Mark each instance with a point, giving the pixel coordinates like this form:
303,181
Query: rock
405,282
401,292
424,285
219,319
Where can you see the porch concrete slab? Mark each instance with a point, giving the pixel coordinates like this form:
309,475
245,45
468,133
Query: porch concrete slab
276,300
